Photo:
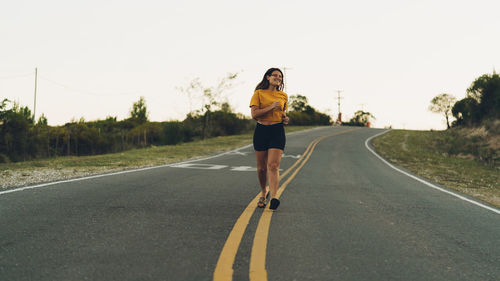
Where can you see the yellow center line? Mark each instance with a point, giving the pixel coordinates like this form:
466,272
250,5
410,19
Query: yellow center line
258,270
224,268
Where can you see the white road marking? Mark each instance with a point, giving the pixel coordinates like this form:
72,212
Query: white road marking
216,167
118,173
290,156
200,166
244,169
237,152
426,182
136,170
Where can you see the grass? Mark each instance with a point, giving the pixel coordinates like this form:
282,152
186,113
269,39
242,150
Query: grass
75,166
421,153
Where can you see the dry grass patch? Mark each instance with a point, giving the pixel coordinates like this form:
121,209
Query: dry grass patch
425,157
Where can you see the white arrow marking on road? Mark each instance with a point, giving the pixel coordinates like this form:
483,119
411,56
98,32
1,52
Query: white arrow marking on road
244,169
237,152
291,156
216,167
200,166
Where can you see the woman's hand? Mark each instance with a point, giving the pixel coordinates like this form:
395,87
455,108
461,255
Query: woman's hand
276,104
285,119
257,112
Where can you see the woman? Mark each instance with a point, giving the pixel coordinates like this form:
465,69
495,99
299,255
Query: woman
268,105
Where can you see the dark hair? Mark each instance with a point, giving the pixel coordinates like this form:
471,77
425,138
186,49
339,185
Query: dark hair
264,84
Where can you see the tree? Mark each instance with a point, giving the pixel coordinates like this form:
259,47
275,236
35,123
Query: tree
465,111
14,132
226,107
486,91
211,99
443,103
299,103
40,140
301,113
360,118
3,110
139,111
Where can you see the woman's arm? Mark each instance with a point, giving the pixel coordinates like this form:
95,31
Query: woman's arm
257,112
285,119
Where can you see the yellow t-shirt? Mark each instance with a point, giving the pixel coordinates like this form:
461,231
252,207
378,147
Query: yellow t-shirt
264,98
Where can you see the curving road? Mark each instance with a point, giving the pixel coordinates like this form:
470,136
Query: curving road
344,215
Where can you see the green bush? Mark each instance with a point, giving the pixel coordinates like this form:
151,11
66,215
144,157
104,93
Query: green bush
4,158
23,139
469,142
309,118
173,132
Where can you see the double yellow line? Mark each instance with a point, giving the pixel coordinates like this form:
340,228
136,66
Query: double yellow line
224,268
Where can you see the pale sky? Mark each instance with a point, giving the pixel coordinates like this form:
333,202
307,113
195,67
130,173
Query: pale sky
389,57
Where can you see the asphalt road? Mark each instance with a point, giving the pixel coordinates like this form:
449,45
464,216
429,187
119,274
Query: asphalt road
345,215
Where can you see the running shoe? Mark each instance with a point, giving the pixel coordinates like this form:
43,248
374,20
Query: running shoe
274,204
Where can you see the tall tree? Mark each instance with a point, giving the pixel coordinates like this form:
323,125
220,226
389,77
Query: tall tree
465,111
443,103
486,91
139,111
14,132
300,103
3,110
301,113
211,98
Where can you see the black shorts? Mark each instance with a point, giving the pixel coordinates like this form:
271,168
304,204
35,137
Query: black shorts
269,136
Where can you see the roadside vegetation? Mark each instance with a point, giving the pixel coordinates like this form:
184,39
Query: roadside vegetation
22,138
50,169
31,151
428,154
466,156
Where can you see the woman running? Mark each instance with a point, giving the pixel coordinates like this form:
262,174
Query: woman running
268,106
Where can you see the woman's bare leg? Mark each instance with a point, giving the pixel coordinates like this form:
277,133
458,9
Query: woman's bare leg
273,168
262,170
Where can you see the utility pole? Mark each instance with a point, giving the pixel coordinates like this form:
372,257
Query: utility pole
284,74
339,118
34,106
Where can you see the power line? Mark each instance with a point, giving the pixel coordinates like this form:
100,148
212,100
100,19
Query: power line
16,76
84,91
70,88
